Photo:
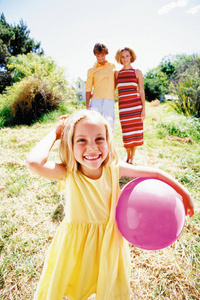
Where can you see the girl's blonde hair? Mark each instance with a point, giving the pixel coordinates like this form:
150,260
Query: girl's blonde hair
66,144
118,55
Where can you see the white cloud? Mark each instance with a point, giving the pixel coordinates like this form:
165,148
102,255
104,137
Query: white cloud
194,10
182,3
167,8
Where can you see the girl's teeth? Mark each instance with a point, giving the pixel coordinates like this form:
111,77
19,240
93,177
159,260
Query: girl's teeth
92,157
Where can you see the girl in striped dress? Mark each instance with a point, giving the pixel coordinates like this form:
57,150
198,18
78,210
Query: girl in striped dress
131,100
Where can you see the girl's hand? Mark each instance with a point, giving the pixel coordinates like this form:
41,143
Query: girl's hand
143,114
189,205
60,126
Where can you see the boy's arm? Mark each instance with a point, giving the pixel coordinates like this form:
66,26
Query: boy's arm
88,97
148,172
89,87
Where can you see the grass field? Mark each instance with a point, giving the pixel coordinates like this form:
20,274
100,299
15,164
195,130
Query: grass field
31,210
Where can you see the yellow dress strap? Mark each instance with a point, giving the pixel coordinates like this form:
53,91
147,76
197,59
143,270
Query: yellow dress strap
61,185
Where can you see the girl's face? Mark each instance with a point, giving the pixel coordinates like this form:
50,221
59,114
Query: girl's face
126,58
90,147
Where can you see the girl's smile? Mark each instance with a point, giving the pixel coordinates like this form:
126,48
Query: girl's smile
92,157
90,147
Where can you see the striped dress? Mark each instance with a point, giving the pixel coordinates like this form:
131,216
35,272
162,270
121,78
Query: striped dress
130,107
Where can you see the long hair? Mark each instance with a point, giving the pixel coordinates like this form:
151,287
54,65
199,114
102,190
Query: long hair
118,55
66,144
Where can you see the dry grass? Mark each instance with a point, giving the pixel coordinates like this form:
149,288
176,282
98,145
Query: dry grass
31,210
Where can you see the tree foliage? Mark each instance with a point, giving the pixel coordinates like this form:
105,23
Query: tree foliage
167,67
178,75
155,84
24,66
14,40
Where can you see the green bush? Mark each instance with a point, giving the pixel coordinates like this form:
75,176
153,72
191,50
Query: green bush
177,75
180,126
27,65
39,87
33,100
188,92
155,84
5,80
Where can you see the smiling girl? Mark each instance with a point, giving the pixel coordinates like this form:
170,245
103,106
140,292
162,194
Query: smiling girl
88,253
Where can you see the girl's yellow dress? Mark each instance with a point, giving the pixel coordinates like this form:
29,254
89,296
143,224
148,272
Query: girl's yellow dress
88,254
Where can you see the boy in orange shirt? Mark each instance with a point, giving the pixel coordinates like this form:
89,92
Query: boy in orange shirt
100,86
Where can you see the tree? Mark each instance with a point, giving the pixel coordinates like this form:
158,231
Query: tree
15,40
168,67
179,75
6,35
155,84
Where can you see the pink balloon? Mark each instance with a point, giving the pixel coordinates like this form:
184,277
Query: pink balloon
150,214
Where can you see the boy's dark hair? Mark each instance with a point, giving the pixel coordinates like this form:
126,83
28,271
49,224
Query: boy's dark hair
100,49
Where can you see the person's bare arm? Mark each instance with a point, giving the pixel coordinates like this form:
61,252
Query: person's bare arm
141,90
37,159
149,172
88,97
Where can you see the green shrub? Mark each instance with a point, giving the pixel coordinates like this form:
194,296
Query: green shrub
5,80
180,126
155,84
25,66
64,108
188,91
39,86
33,100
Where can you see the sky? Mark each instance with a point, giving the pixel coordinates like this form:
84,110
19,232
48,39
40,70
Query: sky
68,29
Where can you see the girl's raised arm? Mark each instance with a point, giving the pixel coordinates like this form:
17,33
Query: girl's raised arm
148,172
37,159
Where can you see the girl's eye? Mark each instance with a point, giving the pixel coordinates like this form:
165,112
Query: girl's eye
81,141
100,139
